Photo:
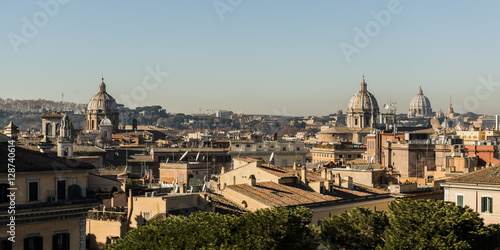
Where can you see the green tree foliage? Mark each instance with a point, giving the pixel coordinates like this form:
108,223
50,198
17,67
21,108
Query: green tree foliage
277,228
426,224
359,228
422,224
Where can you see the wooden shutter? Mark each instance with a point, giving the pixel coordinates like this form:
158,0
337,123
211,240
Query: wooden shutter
460,200
483,204
490,204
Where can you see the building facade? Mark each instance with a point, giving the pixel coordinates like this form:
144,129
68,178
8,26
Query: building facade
49,200
479,190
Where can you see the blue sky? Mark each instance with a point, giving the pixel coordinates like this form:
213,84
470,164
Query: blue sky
271,57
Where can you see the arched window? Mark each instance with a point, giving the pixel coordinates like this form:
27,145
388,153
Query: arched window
48,129
75,192
58,129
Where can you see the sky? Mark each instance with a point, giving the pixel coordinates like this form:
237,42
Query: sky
262,57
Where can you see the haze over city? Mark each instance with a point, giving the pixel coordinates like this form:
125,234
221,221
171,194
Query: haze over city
280,57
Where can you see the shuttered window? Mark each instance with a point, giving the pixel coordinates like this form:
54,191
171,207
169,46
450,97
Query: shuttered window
460,200
33,243
486,204
60,241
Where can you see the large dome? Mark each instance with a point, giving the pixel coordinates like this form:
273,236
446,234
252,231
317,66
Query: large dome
102,101
420,105
363,101
420,100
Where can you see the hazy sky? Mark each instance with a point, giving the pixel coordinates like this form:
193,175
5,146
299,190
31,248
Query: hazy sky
273,57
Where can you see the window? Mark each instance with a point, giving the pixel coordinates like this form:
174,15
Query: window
460,200
61,190
237,145
3,193
33,191
33,243
146,215
486,204
355,122
112,239
60,241
349,156
181,178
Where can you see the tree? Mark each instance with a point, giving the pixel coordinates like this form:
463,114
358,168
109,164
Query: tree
407,224
276,228
426,224
359,228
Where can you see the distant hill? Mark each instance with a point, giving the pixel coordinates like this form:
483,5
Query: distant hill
26,113
38,106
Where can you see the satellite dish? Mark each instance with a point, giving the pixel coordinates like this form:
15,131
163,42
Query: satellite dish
386,106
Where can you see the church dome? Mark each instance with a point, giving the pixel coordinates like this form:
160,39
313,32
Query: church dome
102,101
420,100
106,122
420,105
363,101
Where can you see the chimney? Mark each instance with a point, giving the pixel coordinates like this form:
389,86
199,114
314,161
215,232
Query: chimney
303,175
222,170
129,208
347,182
496,122
329,175
338,181
323,173
295,165
253,180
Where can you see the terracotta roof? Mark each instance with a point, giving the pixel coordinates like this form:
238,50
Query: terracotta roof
32,161
141,158
225,206
275,170
487,176
273,194
159,217
312,176
105,177
357,191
